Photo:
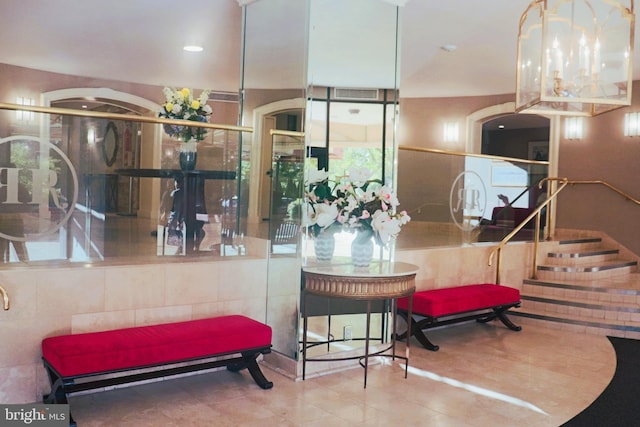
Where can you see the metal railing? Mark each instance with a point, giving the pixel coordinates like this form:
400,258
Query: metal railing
119,116
551,197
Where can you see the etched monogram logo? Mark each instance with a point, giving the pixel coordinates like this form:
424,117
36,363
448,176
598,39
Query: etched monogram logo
467,200
38,198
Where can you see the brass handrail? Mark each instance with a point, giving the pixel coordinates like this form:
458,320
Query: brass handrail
286,133
465,154
564,182
606,184
119,116
5,298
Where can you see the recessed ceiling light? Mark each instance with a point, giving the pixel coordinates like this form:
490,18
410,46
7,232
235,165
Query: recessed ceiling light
193,48
500,126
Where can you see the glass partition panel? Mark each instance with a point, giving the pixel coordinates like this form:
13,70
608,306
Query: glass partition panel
327,51
457,198
347,136
286,192
81,188
274,93
285,230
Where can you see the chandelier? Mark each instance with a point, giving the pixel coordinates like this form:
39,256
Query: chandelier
574,57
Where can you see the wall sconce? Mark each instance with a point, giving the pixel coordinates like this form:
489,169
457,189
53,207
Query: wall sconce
632,124
573,127
25,116
91,136
575,57
451,132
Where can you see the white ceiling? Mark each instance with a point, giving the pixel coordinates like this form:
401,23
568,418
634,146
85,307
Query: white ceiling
141,41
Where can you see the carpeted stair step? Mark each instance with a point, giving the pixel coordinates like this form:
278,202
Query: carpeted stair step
617,301
583,286
579,244
578,258
587,271
623,285
609,307
577,323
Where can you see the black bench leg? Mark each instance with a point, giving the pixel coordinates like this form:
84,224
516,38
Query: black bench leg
250,363
258,376
488,318
500,313
416,331
57,394
507,322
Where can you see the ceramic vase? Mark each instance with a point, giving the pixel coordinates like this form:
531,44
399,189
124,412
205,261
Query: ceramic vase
324,245
362,249
188,155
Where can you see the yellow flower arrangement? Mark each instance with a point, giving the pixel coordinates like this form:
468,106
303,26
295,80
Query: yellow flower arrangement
181,105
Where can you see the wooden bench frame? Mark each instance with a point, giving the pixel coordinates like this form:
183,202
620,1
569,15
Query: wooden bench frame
428,322
62,386
235,360
446,306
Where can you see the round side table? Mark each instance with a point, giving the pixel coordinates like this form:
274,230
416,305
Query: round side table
380,281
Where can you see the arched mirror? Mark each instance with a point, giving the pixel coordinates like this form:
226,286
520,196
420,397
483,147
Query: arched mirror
110,144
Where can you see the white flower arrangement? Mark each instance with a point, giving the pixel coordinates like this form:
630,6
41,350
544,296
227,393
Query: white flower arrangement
322,211
359,203
367,205
181,105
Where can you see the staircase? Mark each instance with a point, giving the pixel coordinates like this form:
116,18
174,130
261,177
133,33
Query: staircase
586,286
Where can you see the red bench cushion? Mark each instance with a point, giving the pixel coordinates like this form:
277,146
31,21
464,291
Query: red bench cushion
94,352
460,299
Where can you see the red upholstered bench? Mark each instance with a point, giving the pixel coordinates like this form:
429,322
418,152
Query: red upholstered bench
439,307
233,341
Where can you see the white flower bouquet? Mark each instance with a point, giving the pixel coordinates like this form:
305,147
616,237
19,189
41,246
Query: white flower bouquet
357,204
367,205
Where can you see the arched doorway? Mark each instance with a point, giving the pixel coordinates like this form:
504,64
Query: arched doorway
476,120
474,142
150,134
265,119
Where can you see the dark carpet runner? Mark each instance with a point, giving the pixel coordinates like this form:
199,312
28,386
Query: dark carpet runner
619,403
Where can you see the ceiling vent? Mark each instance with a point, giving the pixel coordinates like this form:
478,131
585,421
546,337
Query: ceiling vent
224,97
349,93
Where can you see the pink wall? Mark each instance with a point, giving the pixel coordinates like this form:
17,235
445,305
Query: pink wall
603,154
26,82
422,119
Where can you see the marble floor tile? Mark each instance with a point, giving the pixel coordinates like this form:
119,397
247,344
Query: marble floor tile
483,375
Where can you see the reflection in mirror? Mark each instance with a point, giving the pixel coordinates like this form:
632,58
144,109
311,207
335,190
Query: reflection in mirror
500,193
274,100
110,144
347,56
359,133
353,82
287,176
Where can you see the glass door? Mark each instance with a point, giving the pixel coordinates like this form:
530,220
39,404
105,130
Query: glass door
287,175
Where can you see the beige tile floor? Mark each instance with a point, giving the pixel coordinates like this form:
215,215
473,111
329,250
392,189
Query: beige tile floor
483,375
